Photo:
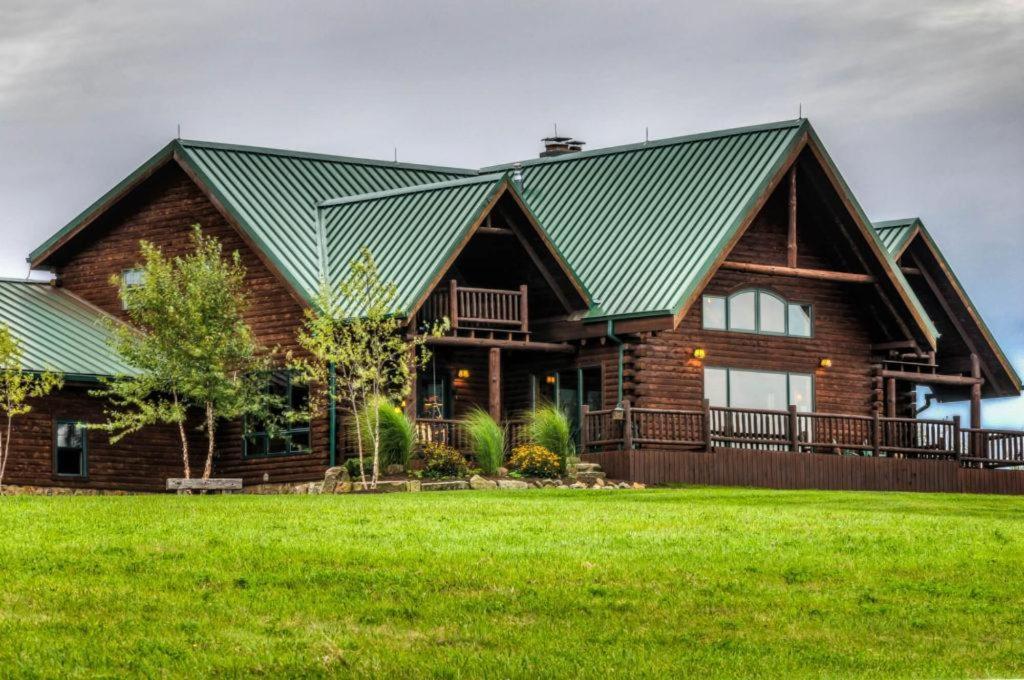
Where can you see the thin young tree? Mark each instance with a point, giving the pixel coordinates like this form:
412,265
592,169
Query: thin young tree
17,388
189,339
357,351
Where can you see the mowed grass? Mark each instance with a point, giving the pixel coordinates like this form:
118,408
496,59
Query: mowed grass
700,582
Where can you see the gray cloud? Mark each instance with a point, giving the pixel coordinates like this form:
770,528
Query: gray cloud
918,102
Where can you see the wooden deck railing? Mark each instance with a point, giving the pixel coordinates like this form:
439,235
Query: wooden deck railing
629,428
478,308
453,433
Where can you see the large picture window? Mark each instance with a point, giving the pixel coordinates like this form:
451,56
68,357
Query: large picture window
291,438
69,449
757,311
765,390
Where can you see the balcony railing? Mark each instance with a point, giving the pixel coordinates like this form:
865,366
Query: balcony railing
478,308
709,428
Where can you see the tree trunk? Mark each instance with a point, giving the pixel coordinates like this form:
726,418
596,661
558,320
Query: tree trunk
359,441
208,468
5,449
184,442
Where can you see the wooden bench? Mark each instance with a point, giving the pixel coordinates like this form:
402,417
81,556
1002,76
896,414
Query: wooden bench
223,485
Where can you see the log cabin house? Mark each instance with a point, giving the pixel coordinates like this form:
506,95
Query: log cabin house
720,292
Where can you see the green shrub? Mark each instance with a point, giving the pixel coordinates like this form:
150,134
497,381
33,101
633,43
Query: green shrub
352,465
487,439
397,432
549,427
442,460
535,460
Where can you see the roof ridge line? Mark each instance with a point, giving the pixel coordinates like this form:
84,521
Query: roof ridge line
895,224
651,144
313,155
416,188
11,279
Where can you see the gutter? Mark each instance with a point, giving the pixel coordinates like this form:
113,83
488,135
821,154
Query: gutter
610,333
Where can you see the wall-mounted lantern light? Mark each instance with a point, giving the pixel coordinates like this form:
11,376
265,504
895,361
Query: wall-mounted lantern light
619,412
463,373
551,380
825,362
700,353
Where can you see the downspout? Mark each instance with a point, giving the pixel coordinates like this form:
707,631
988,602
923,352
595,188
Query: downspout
610,333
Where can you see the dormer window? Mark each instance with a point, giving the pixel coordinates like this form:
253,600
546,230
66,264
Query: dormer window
130,278
755,310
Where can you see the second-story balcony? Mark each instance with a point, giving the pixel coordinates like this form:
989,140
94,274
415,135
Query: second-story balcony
484,312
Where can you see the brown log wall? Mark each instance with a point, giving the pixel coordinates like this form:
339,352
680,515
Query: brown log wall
669,377
162,211
781,470
139,462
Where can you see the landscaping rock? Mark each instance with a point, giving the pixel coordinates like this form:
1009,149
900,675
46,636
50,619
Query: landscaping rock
332,478
623,485
577,485
599,482
503,472
480,484
445,485
395,469
589,476
512,484
392,486
638,485
587,467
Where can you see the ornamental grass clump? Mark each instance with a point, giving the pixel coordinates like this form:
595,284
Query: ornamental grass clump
442,460
397,432
487,438
549,427
534,460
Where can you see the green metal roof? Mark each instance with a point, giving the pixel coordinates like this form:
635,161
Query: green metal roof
58,331
411,232
642,224
896,235
273,195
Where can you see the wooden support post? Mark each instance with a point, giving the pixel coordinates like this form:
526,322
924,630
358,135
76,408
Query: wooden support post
890,397
453,303
957,445
584,412
794,429
524,310
707,425
494,383
627,426
791,251
978,443
876,434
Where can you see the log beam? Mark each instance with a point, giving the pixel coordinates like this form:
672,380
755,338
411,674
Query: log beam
976,391
934,378
817,274
562,347
494,383
791,247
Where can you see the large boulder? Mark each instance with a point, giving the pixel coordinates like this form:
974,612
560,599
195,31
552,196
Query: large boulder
445,485
480,484
334,477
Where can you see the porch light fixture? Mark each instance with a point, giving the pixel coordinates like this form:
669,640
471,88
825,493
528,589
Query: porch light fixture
550,380
825,362
619,412
700,353
463,373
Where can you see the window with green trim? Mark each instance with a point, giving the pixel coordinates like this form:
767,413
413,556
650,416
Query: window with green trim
290,438
755,310
766,390
70,445
131,278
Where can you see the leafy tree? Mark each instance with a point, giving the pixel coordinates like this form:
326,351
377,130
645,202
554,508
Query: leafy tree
190,343
357,351
17,387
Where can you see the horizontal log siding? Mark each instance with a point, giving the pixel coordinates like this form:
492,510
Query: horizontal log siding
162,211
669,377
782,470
139,462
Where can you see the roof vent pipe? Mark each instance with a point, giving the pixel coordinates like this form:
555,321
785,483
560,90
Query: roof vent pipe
559,146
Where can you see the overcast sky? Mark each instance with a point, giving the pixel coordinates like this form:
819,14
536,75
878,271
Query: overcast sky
919,103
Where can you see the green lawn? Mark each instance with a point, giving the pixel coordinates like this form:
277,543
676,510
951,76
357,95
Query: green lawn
708,582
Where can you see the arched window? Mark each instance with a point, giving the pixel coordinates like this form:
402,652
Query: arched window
755,310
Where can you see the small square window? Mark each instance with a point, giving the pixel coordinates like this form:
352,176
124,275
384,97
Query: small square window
69,449
130,278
